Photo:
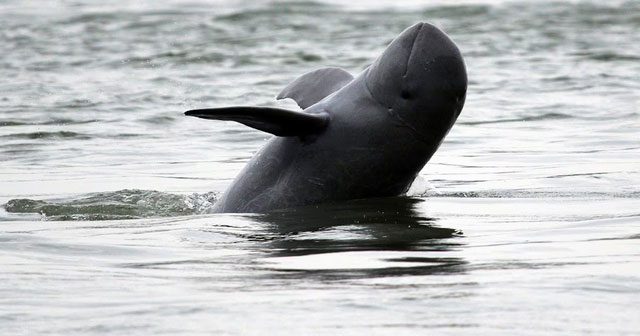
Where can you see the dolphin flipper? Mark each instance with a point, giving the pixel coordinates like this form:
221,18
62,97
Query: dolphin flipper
311,87
276,121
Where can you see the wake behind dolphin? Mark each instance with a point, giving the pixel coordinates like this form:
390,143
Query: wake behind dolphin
361,137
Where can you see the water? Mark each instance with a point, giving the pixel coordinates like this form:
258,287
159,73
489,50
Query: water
525,221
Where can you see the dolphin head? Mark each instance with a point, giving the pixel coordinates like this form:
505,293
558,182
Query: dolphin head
422,81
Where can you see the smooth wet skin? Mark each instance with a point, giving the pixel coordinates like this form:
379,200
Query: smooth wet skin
369,137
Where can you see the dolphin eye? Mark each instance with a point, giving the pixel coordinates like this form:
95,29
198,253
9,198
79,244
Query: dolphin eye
405,94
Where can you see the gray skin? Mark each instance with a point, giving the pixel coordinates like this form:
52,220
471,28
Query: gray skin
383,126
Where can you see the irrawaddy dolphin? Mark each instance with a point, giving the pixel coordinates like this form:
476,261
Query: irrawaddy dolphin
361,137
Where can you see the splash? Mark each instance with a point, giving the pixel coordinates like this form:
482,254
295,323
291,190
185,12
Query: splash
122,204
421,187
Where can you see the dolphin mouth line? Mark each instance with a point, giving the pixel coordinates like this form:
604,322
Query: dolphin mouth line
399,120
404,74
406,66
413,44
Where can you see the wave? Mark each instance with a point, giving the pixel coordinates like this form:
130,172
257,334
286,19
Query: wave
545,116
48,135
121,204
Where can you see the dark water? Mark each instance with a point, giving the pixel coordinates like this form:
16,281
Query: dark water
525,222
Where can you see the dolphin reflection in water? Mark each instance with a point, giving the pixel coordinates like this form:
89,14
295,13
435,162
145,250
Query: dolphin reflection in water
359,238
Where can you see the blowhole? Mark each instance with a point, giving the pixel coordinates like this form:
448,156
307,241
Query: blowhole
405,94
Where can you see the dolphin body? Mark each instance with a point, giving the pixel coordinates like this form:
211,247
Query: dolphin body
361,137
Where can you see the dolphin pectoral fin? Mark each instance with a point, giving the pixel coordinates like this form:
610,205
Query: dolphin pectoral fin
311,87
276,121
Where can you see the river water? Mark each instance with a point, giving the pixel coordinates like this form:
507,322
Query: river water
525,222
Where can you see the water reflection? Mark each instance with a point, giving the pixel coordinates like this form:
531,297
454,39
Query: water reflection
362,238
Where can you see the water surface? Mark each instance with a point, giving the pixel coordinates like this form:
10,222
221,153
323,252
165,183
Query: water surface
525,221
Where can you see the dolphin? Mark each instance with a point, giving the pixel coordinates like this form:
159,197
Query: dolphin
356,137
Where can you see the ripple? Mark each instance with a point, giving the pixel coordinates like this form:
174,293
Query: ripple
540,117
455,11
60,135
610,56
516,194
279,8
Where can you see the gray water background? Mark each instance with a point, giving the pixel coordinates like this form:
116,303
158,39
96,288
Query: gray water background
525,222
